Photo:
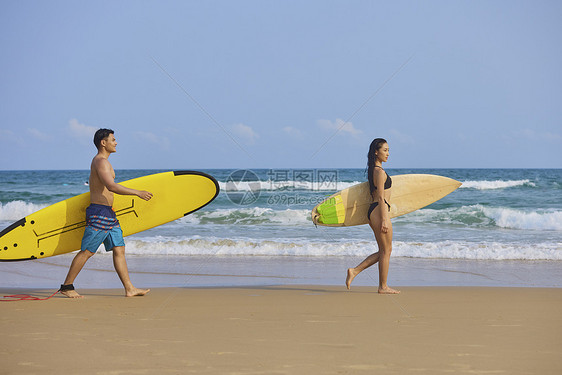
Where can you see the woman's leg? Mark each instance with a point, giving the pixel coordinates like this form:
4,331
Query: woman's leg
384,240
367,262
352,272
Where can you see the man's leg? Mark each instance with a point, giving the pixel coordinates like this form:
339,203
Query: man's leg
120,264
75,267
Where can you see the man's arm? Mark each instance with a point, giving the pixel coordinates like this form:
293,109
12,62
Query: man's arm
103,169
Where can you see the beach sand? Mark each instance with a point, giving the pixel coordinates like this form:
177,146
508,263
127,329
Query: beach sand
285,330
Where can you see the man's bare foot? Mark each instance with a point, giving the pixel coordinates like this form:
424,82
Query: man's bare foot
351,273
136,292
71,294
388,290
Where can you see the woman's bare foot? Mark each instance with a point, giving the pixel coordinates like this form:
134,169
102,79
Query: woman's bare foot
136,292
71,294
351,273
388,290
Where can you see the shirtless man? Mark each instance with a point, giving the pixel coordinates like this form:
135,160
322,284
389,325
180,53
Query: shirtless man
102,225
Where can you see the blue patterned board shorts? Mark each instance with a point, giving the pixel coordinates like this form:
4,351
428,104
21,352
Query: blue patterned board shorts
102,226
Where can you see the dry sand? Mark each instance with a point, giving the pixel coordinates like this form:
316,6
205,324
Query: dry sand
286,330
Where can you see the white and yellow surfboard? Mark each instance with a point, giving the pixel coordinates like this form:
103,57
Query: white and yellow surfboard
58,229
410,192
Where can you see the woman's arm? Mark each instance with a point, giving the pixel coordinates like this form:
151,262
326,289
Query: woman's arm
379,179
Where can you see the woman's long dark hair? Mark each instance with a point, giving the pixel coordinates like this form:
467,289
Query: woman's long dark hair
371,157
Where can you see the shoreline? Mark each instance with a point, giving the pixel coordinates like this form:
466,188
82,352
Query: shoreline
287,329
227,271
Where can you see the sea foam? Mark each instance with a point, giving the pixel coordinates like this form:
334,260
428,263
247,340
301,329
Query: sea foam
497,184
250,216
277,247
15,210
518,219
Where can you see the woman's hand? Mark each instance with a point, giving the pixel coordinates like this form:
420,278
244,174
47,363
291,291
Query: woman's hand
385,225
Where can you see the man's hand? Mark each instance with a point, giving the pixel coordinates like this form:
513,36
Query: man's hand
144,195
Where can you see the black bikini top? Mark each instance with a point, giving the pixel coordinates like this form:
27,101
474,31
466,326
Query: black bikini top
388,182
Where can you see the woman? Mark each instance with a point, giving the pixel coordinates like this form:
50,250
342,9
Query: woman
379,216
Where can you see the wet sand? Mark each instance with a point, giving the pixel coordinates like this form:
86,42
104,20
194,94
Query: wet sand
290,329
241,271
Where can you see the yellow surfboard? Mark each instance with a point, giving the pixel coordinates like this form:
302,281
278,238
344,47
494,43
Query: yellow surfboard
58,229
409,192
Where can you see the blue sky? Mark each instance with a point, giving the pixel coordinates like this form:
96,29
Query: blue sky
281,84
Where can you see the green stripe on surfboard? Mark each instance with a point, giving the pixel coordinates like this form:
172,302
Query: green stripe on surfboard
332,211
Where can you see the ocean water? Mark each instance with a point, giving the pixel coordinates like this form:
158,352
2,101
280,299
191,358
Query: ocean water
499,215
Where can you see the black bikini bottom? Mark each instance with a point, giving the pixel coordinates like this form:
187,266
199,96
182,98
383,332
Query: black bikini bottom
372,207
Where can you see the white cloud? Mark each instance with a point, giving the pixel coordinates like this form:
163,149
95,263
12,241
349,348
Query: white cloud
340,126
401,137
519,136
38,134
534,135
554,137
81,131
6,133
162,142
245,132
9,137
293,132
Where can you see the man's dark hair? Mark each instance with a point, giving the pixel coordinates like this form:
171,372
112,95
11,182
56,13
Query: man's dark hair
100,135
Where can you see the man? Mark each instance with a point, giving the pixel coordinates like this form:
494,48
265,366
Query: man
102,225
